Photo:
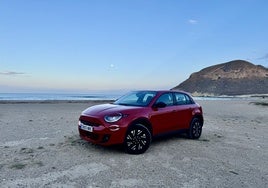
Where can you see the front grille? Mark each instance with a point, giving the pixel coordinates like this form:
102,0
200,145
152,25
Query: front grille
89,123
90,135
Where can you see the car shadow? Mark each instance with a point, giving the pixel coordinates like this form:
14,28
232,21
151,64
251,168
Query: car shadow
105,149
169,136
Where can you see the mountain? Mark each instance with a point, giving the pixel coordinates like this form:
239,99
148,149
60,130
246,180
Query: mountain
236,77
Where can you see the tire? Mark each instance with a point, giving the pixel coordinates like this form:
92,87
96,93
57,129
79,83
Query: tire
138,139
195,130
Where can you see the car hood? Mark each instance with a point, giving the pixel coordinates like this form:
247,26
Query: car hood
106,109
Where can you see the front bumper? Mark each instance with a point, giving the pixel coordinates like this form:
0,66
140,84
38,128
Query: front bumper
103,133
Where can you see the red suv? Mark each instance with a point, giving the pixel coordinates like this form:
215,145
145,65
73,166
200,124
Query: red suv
136,117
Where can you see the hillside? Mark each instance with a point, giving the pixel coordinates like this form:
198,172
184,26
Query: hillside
232,78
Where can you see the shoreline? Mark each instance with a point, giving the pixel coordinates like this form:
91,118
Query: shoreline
52,101
6,98
262,96
255,98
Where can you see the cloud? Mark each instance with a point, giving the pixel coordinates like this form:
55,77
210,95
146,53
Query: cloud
11,73
192,21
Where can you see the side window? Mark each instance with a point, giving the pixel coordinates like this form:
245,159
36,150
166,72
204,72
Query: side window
188,100
166,98
182,99
147,98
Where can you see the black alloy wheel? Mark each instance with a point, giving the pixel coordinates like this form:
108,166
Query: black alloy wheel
138,139
195,129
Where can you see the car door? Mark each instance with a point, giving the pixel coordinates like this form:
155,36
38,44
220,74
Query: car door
184,108
163,119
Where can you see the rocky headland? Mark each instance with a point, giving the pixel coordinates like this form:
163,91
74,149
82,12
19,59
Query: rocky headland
233,78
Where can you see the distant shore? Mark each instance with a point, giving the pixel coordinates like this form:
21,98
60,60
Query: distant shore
229,96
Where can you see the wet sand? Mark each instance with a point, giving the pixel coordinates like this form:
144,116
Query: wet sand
40,147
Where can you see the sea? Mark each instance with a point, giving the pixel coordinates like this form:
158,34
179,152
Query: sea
87,96
57,96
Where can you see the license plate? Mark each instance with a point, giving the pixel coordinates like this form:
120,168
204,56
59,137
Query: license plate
86,128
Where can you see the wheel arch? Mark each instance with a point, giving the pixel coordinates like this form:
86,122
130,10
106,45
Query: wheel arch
143,121
199,116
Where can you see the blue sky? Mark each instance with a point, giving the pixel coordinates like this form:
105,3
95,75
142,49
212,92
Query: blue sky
95,45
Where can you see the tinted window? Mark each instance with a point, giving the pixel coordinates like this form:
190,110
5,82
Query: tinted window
189,100
137,98
166,98
182,99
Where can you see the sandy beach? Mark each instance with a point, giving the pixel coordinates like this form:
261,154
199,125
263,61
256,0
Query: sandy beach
40,147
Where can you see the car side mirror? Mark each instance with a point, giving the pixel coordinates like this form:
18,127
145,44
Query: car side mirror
159,105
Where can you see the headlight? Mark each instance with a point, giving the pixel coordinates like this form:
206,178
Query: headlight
113,118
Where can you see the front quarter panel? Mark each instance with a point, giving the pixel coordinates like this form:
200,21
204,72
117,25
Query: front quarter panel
197,110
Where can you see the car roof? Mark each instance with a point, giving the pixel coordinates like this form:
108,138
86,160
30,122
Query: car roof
165,91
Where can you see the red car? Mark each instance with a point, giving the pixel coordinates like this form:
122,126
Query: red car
136,117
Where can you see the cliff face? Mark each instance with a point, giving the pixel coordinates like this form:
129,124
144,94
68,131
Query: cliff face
232,78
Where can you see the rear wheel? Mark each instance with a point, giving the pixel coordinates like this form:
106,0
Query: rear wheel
195,129
138,139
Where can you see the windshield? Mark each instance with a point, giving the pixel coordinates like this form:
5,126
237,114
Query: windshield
136,98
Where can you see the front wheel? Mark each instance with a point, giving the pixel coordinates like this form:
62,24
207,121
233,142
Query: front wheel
138,139
195,129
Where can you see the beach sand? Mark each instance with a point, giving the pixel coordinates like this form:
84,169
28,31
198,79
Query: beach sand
40,147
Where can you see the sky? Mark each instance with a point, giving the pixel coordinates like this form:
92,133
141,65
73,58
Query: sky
108,45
